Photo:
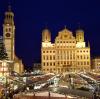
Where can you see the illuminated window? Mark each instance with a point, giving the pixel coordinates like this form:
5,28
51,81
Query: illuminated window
47,69
87,63
78,63
9,29
58,57
84,56
6,29
43,51
44,57
67,57
81,63
53,57
50,69
68,63
62,69
44,64
47,57
61,57
53,51
81,56
87,57
50,57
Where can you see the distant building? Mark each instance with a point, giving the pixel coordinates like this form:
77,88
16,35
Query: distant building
67,53
9,41
36,66
96,63
18,65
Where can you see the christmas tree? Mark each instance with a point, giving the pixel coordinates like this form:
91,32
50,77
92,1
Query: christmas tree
3,54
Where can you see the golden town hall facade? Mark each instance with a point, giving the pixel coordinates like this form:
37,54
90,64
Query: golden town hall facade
67,53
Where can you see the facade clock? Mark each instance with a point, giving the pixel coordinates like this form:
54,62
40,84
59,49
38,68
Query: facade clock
7,34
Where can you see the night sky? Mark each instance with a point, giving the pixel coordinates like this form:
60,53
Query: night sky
32,16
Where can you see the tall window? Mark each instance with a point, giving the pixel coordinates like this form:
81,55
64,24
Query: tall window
47,57
53,57
50,57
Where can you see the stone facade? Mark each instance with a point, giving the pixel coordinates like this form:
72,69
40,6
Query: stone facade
67,53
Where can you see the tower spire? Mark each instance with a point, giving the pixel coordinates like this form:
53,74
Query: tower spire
9,16
79,25
9,8
9,32
65,26
9,5
88,44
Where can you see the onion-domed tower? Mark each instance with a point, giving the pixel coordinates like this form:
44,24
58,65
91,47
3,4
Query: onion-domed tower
80,35
46,35
80,39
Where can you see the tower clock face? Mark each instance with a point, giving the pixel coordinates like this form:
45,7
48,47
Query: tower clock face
7,34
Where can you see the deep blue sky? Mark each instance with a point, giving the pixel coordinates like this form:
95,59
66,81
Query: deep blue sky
31,17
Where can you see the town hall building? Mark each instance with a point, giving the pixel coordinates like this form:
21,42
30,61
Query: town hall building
67,53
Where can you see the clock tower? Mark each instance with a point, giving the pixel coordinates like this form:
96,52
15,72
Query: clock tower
9,33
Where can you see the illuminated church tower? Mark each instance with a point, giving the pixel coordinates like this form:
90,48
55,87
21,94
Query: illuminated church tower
9,41
67,53
9,33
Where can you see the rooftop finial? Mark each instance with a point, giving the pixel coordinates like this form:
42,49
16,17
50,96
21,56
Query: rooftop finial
88,44
9,5
79,26
65,26
9,8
